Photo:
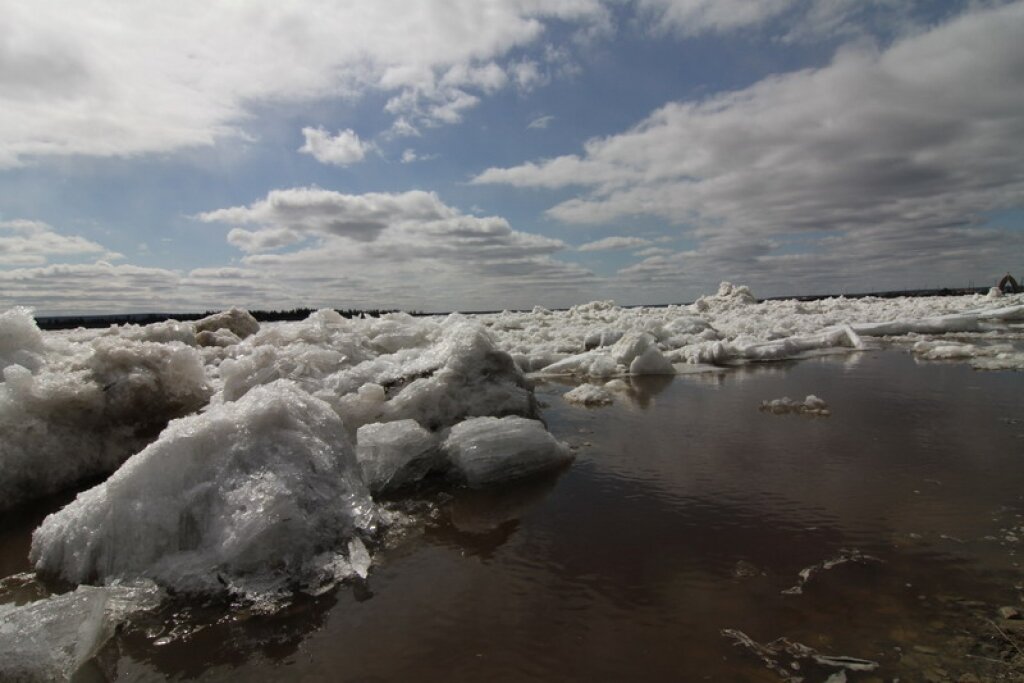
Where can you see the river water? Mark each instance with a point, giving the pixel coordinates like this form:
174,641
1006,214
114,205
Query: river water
681,528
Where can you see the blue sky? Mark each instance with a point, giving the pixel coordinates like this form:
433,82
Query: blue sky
486,154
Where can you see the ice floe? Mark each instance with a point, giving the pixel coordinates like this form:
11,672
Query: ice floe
487,450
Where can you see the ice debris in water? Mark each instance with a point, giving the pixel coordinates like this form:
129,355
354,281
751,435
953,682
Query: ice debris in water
486,450
786,657
812,405
50,639
588,395
845,555
247,493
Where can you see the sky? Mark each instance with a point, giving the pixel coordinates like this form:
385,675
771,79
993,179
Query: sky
439,155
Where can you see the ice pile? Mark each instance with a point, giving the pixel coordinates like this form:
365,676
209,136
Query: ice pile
600,340
812,405
245,494
70,411
270,487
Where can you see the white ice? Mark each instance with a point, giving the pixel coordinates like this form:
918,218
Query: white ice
589,395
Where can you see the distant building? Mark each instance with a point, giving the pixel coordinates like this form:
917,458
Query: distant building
1008,284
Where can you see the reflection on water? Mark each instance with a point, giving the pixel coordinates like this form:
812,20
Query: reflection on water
686,512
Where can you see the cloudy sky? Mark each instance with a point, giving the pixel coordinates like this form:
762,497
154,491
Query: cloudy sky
487,154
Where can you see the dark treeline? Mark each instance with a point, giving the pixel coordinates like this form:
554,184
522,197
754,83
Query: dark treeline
68,322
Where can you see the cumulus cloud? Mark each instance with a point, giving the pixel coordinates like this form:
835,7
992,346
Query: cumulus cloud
405,249
878,145
119,79
286,216
614,243
342,149
31,243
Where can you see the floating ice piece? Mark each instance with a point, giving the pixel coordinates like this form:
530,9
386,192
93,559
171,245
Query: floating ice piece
237,321
392,454
944,350
845,555
245,493
588,395
812,405
785,657
50,639
488,450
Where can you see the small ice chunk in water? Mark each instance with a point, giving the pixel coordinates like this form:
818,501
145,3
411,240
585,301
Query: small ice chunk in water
588,395
488,450
359,558
812,405
395,453
243,494
50,639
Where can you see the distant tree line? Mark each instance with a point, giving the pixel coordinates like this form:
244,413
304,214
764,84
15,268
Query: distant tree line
69,322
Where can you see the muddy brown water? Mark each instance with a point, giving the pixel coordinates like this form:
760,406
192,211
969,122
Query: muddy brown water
687,512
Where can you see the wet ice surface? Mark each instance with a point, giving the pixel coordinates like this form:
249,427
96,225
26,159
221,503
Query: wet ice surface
337,451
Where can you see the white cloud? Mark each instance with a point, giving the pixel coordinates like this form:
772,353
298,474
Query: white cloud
653,251
409,156
343,149
285,216
910,142
693,17
541,122
411,250
119,78
614,243
33,243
